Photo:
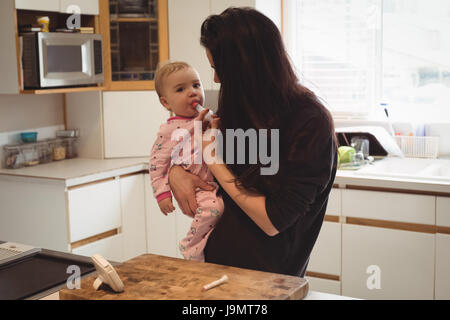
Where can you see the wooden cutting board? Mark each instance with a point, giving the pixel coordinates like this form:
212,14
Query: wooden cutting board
157,277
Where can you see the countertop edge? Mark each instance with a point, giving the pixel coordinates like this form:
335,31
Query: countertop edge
128,166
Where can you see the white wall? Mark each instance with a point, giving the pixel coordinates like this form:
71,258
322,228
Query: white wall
19,113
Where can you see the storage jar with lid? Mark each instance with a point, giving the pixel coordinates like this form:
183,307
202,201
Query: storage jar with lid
13,157
71,144
59,150
45,152
30,154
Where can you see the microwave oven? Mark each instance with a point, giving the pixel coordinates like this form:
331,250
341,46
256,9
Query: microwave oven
51,59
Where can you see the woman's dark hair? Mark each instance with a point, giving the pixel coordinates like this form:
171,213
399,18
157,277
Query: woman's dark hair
259,88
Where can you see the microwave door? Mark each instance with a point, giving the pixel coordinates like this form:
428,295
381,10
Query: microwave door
65,60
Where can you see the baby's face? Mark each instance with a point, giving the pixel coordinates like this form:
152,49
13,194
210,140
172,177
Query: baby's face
181,89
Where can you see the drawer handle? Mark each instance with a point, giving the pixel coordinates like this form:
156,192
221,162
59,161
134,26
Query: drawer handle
97,237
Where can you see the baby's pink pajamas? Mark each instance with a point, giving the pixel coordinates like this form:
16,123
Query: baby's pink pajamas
167,152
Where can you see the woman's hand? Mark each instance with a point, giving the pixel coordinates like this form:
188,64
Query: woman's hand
208,140
183,185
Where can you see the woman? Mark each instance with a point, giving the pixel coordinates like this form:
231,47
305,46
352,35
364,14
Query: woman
270,222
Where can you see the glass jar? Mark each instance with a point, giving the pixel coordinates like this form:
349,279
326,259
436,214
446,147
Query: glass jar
58,149
13,157
30,154
45,152
71,144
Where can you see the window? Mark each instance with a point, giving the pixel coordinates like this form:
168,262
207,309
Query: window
357,53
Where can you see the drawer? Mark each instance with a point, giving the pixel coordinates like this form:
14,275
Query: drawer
442,282
389,206
326,254
111,248
443,211
94,209
380,263
334,202
324,285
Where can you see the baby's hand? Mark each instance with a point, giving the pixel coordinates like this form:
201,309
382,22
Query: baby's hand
166,206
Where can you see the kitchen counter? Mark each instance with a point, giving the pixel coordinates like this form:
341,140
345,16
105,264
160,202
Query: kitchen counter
81,170
156,277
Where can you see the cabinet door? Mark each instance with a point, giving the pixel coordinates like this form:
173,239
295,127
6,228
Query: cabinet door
443,211
85,6
135,34
132,198
382,263
41,5
326,254
161,229
94,209
111,248
131,122
334,206
324,285
184,37
389,206
442,290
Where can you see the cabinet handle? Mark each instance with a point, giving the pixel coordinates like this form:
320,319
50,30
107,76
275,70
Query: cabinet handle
95,238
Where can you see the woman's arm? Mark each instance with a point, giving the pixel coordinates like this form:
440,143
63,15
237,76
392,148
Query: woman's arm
253,205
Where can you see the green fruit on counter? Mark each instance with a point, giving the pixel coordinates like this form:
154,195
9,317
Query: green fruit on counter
345,154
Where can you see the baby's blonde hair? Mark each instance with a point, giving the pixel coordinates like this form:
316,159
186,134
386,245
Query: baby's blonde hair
167,68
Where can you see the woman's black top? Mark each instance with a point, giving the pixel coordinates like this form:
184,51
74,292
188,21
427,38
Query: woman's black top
296,204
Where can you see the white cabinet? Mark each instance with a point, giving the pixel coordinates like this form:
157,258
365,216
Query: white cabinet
164,232
184,31
389,206
118,204
326,254
185,20
94,209
84,6
132,199
442,283
131,122
324,285
380,263
443,211
105,217
40,5
111,248
33,212
161,230
334,206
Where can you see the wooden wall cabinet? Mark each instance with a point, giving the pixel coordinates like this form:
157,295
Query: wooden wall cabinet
15,12
135,41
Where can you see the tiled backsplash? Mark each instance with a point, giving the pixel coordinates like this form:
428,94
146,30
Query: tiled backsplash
13,137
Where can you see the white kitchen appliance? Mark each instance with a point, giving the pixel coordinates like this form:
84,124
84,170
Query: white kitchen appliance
52,59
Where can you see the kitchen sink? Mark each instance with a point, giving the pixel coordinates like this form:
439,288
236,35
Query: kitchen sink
437,170
409,168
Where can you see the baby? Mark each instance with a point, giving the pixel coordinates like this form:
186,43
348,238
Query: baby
178,86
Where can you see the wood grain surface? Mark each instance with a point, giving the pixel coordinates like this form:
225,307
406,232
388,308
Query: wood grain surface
157,277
